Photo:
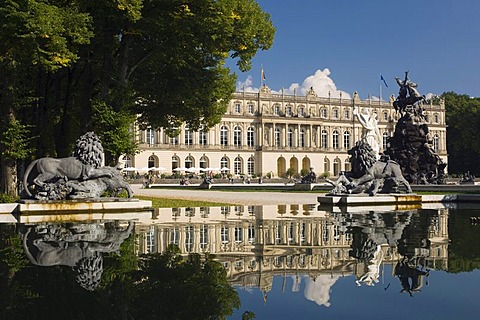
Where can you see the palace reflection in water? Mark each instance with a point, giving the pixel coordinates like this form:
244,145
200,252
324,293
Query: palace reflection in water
256,243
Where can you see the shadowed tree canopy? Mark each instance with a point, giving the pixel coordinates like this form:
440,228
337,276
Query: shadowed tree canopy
75,66
463,134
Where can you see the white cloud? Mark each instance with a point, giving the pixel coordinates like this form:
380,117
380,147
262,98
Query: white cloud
320,81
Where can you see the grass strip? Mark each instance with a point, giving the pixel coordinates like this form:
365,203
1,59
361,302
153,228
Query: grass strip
181,203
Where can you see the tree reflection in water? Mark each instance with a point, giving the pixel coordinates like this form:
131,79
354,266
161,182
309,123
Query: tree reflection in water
161,286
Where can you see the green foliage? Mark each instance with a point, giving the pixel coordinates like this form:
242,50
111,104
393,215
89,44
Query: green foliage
463,136
114,128
12,255
6,198
174,288
15,141
304,172
290,172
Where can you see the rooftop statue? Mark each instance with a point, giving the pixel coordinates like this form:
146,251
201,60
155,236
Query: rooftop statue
76,177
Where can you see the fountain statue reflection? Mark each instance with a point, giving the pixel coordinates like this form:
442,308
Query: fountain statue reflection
79,246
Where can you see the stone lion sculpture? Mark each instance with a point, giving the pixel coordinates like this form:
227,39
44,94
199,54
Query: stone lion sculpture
369,175
57,179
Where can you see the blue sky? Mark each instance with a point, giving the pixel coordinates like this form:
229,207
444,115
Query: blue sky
345,45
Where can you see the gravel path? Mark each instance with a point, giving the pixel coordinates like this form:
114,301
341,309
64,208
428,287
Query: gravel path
240,198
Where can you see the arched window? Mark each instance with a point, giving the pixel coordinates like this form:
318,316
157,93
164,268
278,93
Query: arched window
203,162
326,165
127,160
224,135
346,140
188,137
224,163
277,137
189,162
175,162
250,137
290,137
436,118
250,166
335,142
324,142
336,167
302,138
237,136
152,161
436,143
237,165
385,137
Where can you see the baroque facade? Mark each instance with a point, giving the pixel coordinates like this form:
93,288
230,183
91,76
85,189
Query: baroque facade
267,132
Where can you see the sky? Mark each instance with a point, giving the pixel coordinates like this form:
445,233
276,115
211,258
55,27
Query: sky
347,45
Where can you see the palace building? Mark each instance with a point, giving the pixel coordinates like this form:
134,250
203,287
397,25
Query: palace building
269,133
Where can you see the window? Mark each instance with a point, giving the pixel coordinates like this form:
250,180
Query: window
202,137
203,236
323,113
251,233
302,138
203,162
325,233
237,136
250,108
335,113
324,139
277,137
346,140
326,165
250,166
288,111
276,109
224,162
290,137
127,160
224,234
335,143
189,238
250,137
237,107
174,236
385,115
189,162
150,240
436,141
224,136
336,166
436,118
188,137
301,111
152,161
346,113
149,136
238,234
175,162
237,165
385,139
174,140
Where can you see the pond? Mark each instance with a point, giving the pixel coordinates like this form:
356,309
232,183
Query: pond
262,262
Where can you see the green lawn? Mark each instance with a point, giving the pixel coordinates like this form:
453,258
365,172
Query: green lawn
181,203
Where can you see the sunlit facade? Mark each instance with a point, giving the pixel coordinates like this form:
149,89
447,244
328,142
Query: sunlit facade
267,132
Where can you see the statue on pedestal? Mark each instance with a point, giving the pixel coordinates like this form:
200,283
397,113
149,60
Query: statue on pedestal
76,177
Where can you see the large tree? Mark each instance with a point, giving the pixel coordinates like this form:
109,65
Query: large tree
463,134
69,67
